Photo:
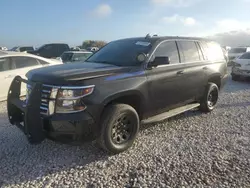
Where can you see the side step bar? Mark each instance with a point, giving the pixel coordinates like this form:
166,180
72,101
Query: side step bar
171,113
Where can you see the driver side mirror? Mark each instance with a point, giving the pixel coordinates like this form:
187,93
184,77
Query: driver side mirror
160,61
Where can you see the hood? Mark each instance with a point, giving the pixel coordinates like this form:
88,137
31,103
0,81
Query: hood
61,74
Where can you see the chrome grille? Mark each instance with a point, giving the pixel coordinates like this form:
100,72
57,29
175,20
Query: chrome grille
44,107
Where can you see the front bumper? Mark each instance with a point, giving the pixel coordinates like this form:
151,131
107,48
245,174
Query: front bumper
28,117
241,73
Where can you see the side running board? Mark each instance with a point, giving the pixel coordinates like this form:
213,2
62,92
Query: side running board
170,113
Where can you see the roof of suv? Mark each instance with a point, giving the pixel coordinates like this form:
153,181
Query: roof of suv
161,38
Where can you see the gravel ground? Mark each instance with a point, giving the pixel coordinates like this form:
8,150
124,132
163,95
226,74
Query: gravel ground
190,150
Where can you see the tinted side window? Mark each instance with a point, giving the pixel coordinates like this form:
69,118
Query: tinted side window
213,51
5,64
22,62
168,49
189,51
48,47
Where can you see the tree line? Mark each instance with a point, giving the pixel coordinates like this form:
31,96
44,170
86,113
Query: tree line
93,43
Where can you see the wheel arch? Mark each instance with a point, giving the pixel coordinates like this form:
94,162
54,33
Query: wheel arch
216,79
133,98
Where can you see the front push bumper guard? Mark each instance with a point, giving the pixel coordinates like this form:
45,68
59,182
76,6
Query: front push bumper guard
26,114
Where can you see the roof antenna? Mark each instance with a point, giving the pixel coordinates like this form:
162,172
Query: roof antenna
147,36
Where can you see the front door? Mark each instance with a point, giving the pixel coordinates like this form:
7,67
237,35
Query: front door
165,82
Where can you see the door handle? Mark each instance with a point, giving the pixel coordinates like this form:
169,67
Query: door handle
180,72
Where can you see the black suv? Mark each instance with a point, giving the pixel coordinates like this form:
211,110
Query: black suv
52,50
127,83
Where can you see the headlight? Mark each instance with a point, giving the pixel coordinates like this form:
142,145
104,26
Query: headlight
69,99
236,64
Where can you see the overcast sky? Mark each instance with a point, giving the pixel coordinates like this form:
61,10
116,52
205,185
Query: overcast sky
30,22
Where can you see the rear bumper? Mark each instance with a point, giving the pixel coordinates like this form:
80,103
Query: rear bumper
27,116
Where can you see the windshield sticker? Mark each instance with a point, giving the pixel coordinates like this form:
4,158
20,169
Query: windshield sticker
142,43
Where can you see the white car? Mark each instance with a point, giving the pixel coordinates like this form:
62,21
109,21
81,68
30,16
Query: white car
18,63
236,52
3,48
241,67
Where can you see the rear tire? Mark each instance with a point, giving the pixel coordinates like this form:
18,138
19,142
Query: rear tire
210,98
119,128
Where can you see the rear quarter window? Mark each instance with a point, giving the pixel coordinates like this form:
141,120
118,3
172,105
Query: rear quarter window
213,51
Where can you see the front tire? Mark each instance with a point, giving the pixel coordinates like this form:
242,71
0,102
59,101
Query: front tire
119,128
210,98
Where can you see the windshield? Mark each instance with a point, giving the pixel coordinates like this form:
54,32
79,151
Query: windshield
66,56
41,47
13,49
245,56
121,52
81,56
238,50
22,49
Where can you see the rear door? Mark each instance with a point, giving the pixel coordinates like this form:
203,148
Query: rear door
5,73
192,59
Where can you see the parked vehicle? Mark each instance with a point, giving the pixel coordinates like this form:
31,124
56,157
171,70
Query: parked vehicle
92,49
22,48
74,56
227,48
126,83
3,48
16,63
241,67
236,52
52,50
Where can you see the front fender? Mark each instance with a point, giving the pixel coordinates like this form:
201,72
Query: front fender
120,94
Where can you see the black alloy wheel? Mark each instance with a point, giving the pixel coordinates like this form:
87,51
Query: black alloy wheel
210,98
119,128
